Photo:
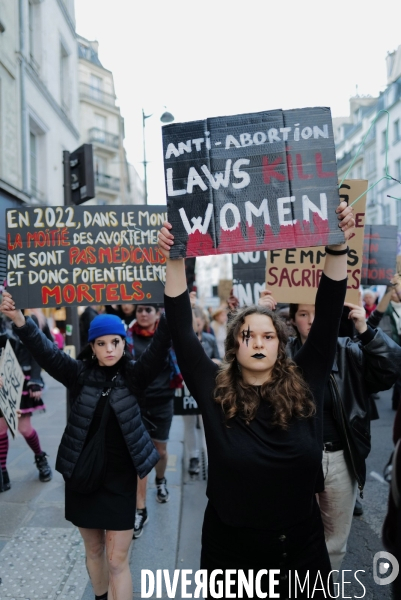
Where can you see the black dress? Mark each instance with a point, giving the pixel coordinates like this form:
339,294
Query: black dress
262,511
113,505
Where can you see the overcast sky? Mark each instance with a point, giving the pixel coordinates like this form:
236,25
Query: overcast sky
209,58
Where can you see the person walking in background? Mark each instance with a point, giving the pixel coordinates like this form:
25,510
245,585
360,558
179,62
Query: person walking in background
104,383
219,327
31,402
208,341
263,424
157,405
369,301
387,315
85,320
369,364
126,312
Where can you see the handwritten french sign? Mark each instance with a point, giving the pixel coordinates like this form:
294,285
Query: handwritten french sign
252,182
293,274
379,254
184,403
10,393
81,255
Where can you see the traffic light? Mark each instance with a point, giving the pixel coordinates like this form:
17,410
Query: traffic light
82,175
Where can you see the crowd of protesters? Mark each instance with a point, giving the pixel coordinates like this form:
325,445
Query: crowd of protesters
286,419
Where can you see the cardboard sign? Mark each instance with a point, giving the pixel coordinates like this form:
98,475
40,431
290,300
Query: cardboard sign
10,393
379,254
252,182
81,255
249,273
184,403
70,350
294,274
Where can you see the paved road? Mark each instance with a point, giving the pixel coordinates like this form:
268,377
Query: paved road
365,535
41,554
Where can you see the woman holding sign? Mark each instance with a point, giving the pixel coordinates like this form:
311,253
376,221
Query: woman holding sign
105,445
262,415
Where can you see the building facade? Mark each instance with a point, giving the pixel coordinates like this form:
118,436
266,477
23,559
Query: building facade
102,125
38,102
378,122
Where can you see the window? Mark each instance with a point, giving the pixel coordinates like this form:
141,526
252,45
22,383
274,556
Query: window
31,21
64,78
33,162
101,122
398,169
37,163
101,127
370,157
100,165
96,87
397,131
34,33
384,141
386,214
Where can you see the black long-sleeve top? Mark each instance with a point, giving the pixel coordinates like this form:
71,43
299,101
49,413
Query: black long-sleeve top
260,475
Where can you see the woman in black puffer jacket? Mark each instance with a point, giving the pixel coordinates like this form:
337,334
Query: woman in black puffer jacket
104,376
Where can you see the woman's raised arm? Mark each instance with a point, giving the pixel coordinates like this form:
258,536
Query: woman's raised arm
335,266
176,281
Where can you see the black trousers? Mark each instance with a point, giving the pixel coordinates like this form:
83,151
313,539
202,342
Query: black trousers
299,553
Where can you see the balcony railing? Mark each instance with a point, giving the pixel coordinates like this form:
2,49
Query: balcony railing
106,181
96,94
103,137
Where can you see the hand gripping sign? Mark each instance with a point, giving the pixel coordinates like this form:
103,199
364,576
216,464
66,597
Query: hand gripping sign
293,274
252,182
13,381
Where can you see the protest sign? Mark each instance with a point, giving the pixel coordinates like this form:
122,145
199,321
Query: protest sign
379,254
184,403
249,274
293,274
81,255
248,182
13,381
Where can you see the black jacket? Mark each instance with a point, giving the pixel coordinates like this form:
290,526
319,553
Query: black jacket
359,370
87,384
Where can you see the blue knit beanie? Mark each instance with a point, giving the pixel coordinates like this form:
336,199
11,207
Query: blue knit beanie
105,325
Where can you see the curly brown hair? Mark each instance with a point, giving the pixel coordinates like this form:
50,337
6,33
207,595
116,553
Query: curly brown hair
286,390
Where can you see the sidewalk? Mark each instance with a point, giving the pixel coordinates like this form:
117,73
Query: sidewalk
42,554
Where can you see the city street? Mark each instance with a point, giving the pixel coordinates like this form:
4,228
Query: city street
41,554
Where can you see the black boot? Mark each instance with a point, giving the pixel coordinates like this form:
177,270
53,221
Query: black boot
102,597
4,481
45,472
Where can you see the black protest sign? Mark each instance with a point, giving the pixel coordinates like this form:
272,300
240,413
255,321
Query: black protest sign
13,381
249,274
81,255
379,254
252,182
184,403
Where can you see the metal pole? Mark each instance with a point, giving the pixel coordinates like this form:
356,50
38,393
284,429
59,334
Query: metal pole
72,321
145,164
24,114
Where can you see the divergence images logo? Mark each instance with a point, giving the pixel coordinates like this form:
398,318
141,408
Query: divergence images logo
387,560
